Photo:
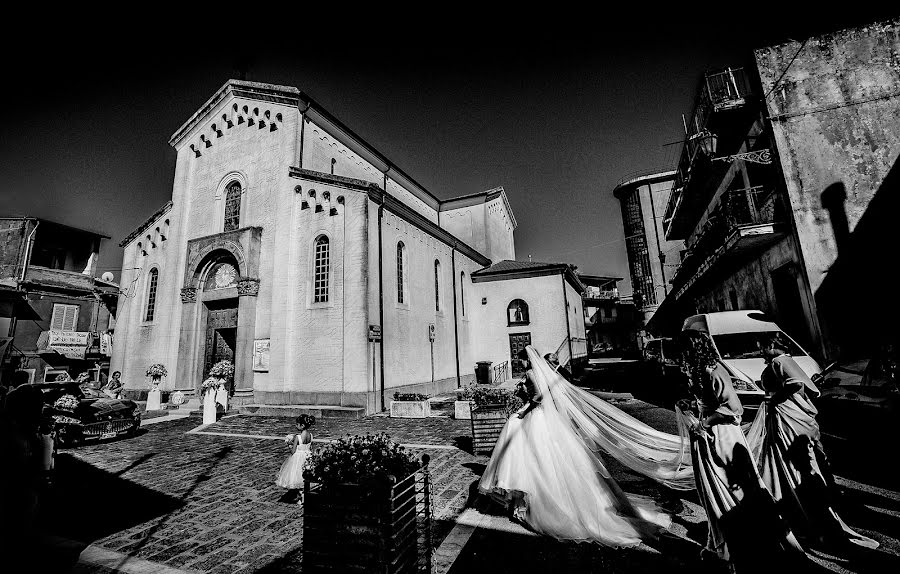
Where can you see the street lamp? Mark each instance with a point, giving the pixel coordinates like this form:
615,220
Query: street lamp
709,141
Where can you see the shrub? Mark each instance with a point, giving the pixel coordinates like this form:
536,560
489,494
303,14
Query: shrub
410,397
360,459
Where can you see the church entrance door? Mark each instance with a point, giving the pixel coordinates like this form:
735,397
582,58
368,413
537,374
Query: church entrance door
221,333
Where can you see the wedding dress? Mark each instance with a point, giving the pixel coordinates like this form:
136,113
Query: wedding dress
548,465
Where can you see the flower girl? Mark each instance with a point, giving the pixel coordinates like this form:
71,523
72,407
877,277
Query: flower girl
291,474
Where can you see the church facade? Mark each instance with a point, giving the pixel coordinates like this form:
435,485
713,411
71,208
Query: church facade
295,249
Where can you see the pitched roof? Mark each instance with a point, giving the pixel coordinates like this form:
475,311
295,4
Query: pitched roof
521,269
510,266
147,223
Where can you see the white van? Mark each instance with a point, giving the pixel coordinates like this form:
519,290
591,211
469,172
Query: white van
735,335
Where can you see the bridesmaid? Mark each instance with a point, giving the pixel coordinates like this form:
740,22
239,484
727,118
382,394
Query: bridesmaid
786,446
744,526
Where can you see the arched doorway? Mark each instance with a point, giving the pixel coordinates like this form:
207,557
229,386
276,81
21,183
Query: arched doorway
220,300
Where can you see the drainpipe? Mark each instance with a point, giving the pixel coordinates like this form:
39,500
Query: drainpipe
381,296
568,329
455,319
29,244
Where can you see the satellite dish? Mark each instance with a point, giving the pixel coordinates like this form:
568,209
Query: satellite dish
108,277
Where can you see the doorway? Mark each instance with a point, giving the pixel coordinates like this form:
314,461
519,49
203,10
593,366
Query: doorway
517,343
221,334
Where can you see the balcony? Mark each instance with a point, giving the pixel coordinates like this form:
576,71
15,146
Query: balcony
742,222
721,112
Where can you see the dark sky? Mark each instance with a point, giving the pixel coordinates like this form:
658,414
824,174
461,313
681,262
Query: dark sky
556,109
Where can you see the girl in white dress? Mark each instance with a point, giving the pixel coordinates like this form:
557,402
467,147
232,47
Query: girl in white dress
291,474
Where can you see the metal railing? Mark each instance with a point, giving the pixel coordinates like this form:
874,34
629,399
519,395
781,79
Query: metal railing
718,91
500,372
734,209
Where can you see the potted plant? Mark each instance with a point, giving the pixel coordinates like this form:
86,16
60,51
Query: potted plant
462,406
361,509
410,406
491,407
224,372
156,372
208,389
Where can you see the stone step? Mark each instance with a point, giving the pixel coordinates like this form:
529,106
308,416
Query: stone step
318,411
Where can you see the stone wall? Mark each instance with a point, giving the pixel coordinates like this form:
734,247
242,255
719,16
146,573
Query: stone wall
834,102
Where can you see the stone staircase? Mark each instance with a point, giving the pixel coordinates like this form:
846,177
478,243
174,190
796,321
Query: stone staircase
318,411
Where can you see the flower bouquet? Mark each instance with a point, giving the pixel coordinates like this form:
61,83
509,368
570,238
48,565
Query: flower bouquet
66,403
157,371
223,370
360,459
210,385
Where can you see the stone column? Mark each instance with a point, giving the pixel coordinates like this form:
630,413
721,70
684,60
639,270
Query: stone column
186,375
248,289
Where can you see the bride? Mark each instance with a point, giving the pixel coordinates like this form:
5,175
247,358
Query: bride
547,465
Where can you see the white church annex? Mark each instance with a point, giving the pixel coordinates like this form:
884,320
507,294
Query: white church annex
328,275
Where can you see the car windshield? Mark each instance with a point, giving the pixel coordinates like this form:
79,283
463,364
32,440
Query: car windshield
747,345
53,391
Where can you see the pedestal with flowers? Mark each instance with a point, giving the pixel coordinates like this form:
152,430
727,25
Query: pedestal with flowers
214,390
491,407
156,372
367,508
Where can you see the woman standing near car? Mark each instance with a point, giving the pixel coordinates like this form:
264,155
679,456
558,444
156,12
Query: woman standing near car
785,443
744,526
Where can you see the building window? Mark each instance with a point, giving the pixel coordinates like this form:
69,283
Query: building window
517,312
65,317
462,291
437,286
320,288
151,294
232,206
401,255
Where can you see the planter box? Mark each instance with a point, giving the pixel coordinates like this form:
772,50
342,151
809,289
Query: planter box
410,409
368,528
487,422
462,410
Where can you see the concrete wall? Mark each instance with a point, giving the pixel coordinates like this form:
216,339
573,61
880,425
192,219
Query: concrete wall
485,226
407,349
546,309
835,112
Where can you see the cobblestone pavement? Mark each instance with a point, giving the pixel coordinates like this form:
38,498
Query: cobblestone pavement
211,499
207,502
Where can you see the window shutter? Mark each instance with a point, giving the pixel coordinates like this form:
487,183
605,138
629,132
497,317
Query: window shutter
71,319
56,322
65,318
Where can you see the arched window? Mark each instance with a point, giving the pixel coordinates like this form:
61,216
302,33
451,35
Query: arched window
401,255
320,273
437,286
151,293
232,206
462,291
517,312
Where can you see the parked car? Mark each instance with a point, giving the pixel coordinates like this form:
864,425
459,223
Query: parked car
661,356
736,336
94,416
661,371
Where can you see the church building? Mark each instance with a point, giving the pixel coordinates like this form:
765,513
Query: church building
324,272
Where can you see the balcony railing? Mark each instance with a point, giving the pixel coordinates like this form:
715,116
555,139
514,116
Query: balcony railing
735,209
718,91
